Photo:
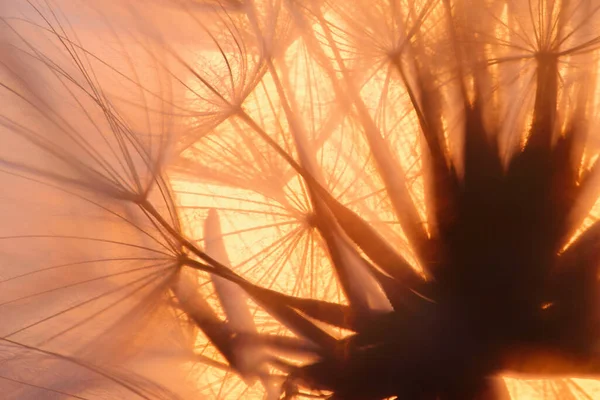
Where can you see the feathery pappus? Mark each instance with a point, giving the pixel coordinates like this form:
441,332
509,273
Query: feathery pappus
295,199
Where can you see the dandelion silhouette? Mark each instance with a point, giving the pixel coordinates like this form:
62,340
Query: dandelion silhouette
299,199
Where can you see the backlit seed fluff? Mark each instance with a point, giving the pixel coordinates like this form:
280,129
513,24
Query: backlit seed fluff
292,199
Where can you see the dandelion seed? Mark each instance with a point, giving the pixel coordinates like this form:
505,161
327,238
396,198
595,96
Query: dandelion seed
282,199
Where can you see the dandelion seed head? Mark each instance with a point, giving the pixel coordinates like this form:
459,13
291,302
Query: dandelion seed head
282,199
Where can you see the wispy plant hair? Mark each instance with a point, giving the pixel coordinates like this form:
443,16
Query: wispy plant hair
288,199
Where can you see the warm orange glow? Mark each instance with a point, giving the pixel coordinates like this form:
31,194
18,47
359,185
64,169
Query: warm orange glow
164,164
265,210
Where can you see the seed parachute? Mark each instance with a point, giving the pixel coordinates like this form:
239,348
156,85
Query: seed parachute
288,199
